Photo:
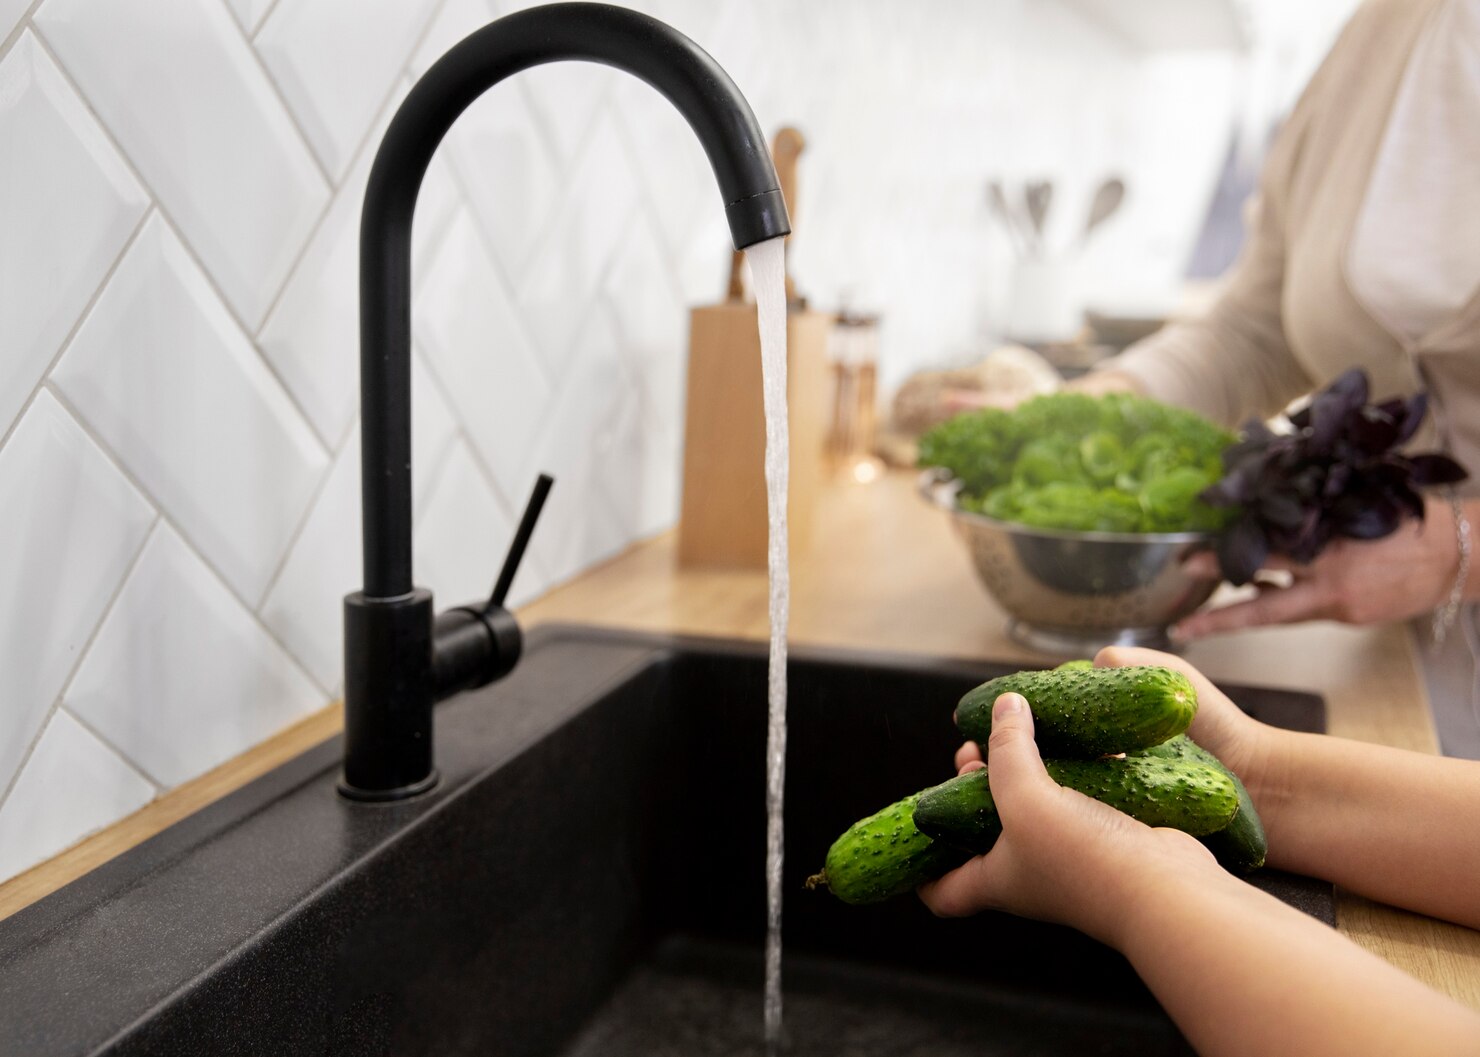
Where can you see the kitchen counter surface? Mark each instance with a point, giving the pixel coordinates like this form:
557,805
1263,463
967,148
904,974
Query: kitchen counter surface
884,572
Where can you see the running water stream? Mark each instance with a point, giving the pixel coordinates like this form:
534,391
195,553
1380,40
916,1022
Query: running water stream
768,279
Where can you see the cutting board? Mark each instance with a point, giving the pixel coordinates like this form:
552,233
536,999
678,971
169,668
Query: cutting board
723,519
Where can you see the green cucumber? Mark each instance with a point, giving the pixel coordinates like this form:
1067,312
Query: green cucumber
1081,713
1241,846
1075,666
884,855
1183,794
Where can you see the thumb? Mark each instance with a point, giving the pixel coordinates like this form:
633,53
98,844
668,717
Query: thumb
1014,768
1012,754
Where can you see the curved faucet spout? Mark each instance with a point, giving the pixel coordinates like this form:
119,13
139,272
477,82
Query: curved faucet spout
642,46
393,665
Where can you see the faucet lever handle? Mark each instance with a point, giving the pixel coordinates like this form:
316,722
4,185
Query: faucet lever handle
527,521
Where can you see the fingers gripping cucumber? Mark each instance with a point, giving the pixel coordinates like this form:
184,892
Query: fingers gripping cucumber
1088,712
1184,794
885,855
1241,845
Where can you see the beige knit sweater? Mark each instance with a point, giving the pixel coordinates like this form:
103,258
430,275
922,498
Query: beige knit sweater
1288,321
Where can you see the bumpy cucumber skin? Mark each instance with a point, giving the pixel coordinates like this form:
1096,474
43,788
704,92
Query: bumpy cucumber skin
1241,846
1183,794
884,855
1075,666
1081,713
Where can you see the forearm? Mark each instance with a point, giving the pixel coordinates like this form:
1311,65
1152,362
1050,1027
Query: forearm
1396,826
1098,383
1242,973
1228,365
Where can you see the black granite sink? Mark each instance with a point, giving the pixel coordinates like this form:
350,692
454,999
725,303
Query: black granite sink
587,879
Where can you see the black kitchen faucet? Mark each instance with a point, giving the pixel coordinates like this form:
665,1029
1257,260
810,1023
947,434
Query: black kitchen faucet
400,657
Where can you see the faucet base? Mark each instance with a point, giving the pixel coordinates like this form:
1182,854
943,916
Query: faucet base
388,695
381,796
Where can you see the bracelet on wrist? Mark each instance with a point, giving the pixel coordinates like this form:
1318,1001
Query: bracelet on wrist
1447,614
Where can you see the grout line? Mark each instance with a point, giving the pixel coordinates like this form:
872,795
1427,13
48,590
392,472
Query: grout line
438,234
460,432
264,361
367,140
669,255
77,323
356,157
291,114
21,25
251,614
108,744
297,534
261,20
426,30
511,292
82,652
438,471
169,520
158,205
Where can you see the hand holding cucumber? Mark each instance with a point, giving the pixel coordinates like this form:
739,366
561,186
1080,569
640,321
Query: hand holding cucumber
1062,856
1248,973
1113,732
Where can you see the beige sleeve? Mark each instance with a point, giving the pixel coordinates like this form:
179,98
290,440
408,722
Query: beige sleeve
1234,362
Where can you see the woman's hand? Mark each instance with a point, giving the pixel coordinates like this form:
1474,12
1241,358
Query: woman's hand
1353,581
1062,856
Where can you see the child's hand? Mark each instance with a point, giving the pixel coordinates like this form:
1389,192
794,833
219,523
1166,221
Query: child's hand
1245,745
1062,856
1241,742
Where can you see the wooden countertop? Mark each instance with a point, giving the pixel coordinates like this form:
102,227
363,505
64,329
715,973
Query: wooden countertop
885,572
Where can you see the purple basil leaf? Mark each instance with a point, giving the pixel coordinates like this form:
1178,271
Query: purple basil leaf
1332,407
1336,480
1372,431
1242,549
1282,509
1417,407
1409,500
1366,517
1341,473
1433,468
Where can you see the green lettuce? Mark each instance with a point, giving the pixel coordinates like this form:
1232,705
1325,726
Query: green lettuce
1116,463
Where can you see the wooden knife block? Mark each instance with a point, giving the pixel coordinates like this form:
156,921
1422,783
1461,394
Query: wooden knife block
723,520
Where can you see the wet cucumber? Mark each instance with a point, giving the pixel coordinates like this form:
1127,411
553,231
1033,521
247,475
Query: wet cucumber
1184,794
1082,713
1241,845
884,855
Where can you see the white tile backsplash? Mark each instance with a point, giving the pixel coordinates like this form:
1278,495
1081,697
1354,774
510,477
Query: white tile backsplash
181,677
304,606
566,223
476,344
461,539
73,784
512,182
198,117
594,215
249,12
335,61
10,14
584,442
164,375
70,526
68,199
